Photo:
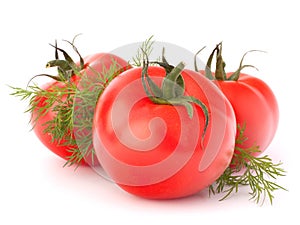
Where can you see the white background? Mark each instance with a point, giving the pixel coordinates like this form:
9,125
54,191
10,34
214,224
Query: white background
36,189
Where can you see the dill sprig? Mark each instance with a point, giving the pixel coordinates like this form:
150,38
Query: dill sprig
72,107
85,100
145,48
259,173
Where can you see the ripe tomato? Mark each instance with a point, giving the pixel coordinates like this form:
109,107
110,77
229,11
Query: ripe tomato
65,146
156,150
255,106
253,101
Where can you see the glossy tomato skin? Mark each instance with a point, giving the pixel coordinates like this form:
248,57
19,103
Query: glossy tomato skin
157,151
93,63
255,106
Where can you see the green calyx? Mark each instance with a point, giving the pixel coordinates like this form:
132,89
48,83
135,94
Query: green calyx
172,89
66,67
220,73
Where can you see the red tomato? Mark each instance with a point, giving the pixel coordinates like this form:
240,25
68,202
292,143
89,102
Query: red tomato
253,101
157,151
96,63
255,106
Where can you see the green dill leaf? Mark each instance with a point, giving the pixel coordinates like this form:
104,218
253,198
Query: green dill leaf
145,48
258,173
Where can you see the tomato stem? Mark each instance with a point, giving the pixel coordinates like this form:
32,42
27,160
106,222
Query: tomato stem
172,89
220,73
66,67
220,64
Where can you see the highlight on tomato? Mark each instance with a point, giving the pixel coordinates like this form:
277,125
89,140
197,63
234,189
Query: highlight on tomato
163,132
